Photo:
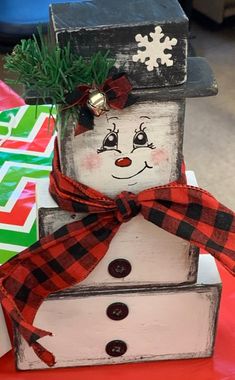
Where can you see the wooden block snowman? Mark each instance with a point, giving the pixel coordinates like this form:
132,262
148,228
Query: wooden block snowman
147,299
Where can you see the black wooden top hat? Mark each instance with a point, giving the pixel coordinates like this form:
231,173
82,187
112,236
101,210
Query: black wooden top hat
148,39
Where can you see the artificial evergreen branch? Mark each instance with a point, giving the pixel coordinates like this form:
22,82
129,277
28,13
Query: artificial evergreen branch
55,71
52,72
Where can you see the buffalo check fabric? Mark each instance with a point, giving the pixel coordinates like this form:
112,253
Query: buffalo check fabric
67,256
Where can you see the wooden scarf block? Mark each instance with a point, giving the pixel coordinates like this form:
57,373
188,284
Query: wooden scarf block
141,253
107,326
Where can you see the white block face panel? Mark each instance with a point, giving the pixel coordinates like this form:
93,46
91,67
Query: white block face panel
128,150
5,344
161,324
155,256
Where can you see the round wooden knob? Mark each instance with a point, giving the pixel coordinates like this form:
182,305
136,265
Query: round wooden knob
116,348
117,311
119,268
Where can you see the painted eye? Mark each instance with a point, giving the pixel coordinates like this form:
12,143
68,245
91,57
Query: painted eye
110,141
140,139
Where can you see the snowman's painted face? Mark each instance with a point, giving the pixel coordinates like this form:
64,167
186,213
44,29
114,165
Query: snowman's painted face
139,140
129,150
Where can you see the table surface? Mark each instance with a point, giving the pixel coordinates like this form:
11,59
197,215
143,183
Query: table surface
220,367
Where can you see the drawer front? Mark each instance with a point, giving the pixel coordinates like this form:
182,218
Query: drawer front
119,328
140,253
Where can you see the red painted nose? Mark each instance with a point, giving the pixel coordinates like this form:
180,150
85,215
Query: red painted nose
124,161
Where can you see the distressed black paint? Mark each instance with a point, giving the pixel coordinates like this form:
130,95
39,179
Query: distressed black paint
112,25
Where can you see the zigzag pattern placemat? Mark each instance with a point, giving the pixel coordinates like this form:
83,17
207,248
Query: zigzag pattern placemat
26,150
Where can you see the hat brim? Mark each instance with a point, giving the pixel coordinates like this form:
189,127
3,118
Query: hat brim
200,82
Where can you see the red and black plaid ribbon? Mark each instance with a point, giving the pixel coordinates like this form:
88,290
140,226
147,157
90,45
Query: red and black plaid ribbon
117,92
67,256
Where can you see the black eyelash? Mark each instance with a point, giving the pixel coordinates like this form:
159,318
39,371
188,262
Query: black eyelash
151,146
102,149
140,128
114,129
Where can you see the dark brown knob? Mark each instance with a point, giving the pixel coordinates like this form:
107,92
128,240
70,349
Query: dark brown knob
119,268
117,311
116,348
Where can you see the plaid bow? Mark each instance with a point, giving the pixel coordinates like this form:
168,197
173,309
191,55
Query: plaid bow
117,94
67,256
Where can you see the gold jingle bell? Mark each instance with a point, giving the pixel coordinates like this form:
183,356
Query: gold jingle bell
97,102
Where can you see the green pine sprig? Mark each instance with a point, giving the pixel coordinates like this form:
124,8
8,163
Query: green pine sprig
52,72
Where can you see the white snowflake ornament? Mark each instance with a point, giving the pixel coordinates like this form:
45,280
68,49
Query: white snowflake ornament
154,53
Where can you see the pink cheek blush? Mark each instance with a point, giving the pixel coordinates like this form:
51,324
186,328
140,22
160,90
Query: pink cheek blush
91,161
158,156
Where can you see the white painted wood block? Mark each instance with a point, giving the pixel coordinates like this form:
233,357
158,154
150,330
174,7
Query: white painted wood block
5,344
155,256
149,134
162,323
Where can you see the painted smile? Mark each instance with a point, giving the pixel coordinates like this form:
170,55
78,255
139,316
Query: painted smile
134,175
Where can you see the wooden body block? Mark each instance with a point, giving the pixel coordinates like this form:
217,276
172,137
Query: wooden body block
110,25
5,344
155,256
162,323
